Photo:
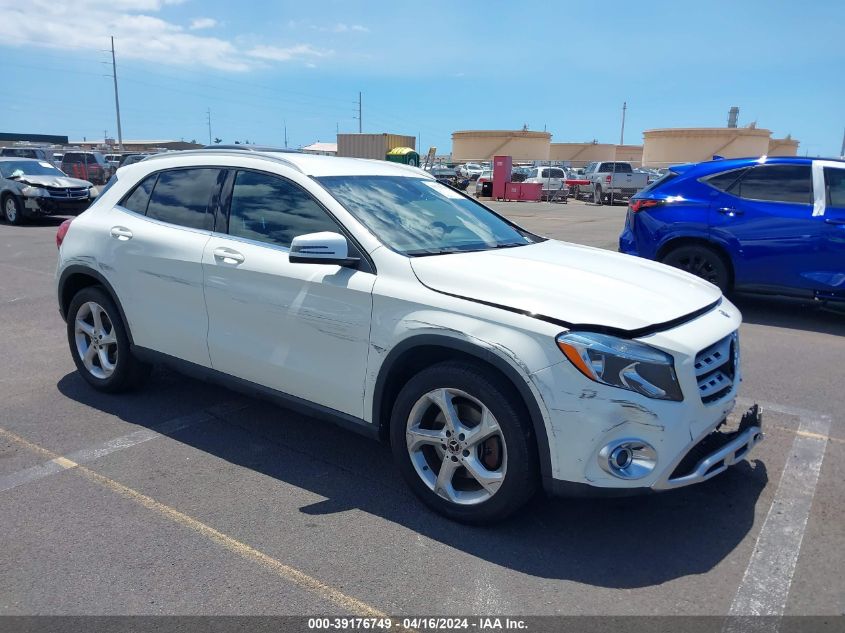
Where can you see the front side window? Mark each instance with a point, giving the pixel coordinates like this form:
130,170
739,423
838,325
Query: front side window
417,217
776,183
834,184
183,196
139,198
274,210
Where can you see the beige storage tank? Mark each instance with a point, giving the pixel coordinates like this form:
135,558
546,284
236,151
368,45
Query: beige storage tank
579,154
691,145
372,145
484,144
783,146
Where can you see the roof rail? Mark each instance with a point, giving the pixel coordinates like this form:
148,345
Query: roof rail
227,152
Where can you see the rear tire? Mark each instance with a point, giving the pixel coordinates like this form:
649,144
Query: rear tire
485,442
701,261
99,343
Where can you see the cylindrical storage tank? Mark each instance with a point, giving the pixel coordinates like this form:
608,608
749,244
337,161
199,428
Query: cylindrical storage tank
579,154
692,145
484,144
783,147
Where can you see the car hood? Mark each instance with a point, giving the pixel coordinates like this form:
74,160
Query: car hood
575,286
52,181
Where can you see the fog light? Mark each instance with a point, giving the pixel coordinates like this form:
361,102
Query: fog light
628,459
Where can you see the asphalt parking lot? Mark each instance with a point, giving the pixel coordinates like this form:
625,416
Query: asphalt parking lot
185,498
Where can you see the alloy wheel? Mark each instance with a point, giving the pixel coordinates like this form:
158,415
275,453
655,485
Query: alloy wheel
96,341
456,446
11,210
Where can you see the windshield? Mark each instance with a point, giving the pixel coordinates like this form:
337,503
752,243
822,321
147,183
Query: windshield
415,216
28,167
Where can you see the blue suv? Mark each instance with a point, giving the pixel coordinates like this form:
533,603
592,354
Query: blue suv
767,225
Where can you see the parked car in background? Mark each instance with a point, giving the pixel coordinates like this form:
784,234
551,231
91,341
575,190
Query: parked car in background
90,166
769,225
471,170
610,181
131,159
368,292
113,160
553,180
37,153
485,176
31,188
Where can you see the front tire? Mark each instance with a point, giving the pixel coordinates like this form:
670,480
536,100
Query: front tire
12,210
461,439
99,343
702,261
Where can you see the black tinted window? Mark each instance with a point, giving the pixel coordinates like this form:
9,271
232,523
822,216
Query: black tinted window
271,209
553,173
834,182
724,180
619,168
140,196
72,158
182,197
777,183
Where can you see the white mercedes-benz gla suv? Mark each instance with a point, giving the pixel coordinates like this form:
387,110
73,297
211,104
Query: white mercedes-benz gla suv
494,361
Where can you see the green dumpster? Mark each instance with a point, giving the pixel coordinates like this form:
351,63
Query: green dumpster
403,155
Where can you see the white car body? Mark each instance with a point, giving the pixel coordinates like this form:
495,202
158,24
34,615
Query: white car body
553,180
330,335
471,170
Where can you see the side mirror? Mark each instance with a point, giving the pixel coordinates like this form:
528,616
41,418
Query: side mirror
321,248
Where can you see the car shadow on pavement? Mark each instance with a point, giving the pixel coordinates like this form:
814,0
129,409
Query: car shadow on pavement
618,543
795,314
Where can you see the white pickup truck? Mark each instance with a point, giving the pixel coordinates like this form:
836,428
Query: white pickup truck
612,180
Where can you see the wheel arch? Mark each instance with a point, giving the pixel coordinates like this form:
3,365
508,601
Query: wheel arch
414,354
74,278
688,240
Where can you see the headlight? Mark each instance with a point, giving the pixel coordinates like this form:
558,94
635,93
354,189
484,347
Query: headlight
34,192
622,363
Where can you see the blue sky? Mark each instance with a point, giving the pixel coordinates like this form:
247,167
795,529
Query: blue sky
425,68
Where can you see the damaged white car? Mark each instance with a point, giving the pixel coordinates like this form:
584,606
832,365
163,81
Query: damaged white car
494,361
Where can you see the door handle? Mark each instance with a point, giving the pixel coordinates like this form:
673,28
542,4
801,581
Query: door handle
228,256
836,221
730,211
121,233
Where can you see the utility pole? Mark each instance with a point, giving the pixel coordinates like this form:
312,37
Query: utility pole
116,100
286,133
208,120
360,122
622,134
842,151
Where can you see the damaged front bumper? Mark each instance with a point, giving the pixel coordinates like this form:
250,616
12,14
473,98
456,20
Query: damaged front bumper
715,452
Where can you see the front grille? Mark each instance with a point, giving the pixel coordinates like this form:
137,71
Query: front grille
68,193
715,368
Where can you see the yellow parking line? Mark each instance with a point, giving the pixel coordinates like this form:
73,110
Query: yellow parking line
815,436
299,578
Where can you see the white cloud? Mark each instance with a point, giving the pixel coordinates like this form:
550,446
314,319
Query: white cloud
275,53
202,23
346,28
87,25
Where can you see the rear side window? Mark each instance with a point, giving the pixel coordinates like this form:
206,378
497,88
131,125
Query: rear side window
619,168
273,210
139,198
834,184
183,196
724,180
553,173
72,158
776,183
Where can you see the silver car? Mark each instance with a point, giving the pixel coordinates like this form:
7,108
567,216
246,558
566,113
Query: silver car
31,188
553,180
